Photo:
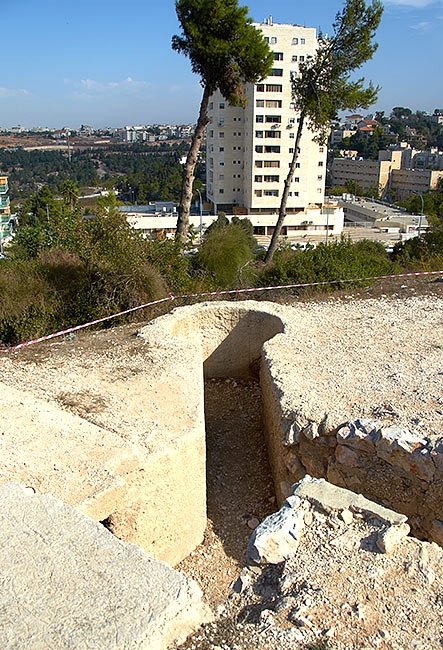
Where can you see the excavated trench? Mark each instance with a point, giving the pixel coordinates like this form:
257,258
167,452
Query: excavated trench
240,489
231,342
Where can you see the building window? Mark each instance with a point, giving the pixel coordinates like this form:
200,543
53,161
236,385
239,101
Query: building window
221,105
267,39
211,162
302,58
258,179
295,41
273,134
272,149
259,103
221,122
259,163
291,149
221,177
319,190
321,149
276,72
320,177
273,40
221,148
320,164
221,190
211,106
295,193
259,118
302,41
274,88
293,74
221,163
278,56
270,192
272,163
294,58
297,165
292,135
273,103
259,149
258,192
211,134
289,193
271,179
296,179
260,88
276,119
259,134
221,134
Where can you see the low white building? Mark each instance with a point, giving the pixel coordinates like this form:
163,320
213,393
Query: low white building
313,221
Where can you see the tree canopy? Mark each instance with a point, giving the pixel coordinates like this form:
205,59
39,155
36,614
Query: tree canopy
223,46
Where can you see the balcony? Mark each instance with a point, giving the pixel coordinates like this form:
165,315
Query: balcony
4,201
3,188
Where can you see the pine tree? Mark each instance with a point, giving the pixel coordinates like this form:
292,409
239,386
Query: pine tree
324,85
226,51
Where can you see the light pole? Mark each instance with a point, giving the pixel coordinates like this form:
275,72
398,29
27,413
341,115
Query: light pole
201,216
421,215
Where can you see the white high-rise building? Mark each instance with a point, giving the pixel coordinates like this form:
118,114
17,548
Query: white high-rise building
249,149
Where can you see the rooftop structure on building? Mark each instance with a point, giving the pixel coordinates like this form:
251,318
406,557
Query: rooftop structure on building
249,149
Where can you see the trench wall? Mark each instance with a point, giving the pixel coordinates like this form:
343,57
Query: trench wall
387,464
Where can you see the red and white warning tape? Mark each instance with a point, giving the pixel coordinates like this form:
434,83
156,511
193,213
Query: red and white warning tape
206,294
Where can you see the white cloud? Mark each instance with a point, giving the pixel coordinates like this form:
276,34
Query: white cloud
12,92
102,86
421,26
412,3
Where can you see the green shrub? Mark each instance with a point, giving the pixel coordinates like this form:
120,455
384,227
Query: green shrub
225,253
340,260
425,253
27,306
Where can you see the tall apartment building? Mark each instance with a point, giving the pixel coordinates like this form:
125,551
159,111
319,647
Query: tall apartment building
249,149
5,210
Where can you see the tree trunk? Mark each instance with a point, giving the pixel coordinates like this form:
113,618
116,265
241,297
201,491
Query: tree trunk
284,199
188,171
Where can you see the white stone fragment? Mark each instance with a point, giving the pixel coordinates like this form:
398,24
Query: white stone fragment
391,536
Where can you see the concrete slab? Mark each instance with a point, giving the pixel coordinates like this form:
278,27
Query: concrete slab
56,452
67,583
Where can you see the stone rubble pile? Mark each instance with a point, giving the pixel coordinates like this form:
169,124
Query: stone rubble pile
332,569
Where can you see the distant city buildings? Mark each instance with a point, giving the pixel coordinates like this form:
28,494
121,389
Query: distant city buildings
399,171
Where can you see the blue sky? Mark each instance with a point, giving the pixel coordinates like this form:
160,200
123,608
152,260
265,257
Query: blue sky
108,63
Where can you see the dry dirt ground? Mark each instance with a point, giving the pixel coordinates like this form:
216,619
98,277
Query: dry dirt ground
354,598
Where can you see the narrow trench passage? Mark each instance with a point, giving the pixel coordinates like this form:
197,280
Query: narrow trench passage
240,490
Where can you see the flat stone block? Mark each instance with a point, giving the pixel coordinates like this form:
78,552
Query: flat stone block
67,583
332,498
